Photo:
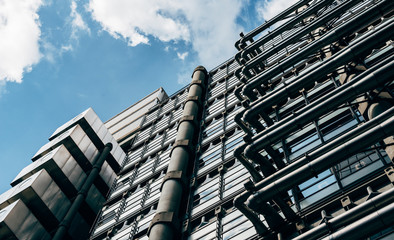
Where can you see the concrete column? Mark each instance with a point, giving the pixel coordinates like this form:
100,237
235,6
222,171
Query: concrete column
166,224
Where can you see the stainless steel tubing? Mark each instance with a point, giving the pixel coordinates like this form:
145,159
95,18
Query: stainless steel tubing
240,199
283,93
288,25
241,43
321,21
370,79
350,216
323,162
326,148
350,27
365,227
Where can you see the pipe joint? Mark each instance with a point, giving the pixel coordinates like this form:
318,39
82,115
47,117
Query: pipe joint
186,144
175,175
249,151
166,218
188,118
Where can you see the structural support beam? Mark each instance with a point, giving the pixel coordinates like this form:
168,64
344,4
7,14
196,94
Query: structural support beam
166,223
80,198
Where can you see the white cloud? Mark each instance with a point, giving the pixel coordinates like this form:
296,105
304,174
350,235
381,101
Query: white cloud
20,35
77,22
182,56
134,20
269,9
209,26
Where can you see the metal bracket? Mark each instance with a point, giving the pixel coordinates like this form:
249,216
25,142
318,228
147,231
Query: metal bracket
175,175
186,143
219,211
196,82
193,99
347,203
164,217
390,173
188,118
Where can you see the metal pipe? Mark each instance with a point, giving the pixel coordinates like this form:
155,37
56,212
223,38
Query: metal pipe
350,216
82,193
240,44
283,93
323,162
370,79
274,220
318,152
348,28
321,21
245,162
365,227
166,222
288,25
261,229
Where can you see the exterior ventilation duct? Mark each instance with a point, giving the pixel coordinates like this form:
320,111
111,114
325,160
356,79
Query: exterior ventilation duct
166,222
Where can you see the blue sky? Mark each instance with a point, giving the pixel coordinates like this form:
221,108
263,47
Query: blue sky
59,57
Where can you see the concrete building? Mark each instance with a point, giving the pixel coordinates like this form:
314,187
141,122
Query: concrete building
292,138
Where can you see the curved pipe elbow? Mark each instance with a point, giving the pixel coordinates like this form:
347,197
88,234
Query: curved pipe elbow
238,58
248,115
237,44
252,200
239,150
249,151
237,201
244,53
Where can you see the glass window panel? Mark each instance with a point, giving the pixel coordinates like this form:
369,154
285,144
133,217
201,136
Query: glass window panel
143,135
182,97
232,81
210,158
362,172
318,186
167,106
123,234
235,172
150,117
319,195
164,158
207,186
205,233
143,224
305,146
314,180
250,231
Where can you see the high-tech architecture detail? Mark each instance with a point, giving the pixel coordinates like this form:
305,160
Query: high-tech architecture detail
44,192
292,138
318,120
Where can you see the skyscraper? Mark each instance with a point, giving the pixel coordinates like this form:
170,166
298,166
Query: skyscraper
290,138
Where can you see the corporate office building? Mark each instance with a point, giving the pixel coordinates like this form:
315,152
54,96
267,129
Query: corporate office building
292,138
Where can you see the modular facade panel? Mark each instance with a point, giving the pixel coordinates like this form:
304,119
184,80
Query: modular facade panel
17,222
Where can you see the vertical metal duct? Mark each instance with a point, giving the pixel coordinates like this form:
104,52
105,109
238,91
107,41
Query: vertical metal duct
166,222
97,164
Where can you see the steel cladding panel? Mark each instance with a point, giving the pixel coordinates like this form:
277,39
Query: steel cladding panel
17,222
